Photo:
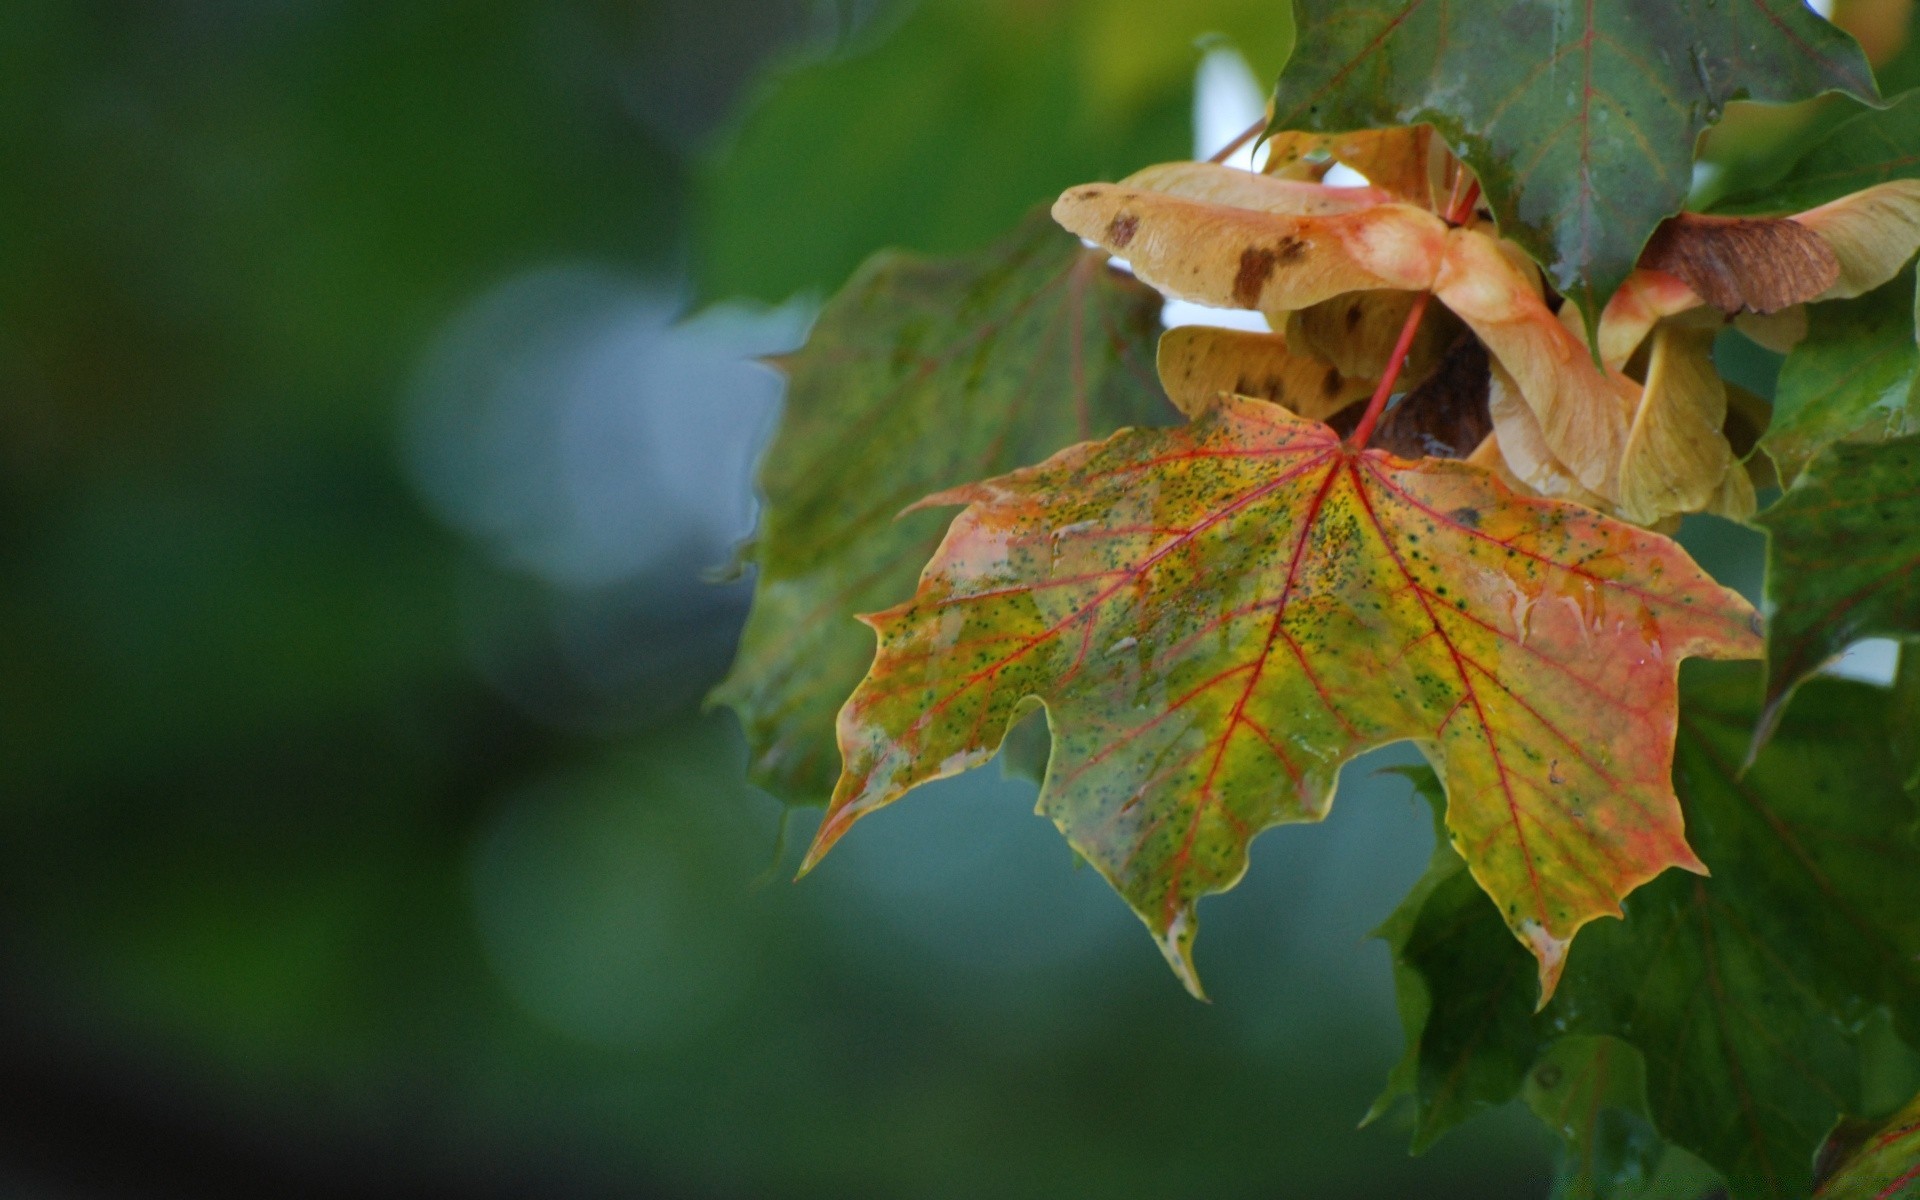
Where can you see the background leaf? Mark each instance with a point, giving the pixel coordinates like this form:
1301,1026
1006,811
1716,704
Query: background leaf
1854,374
1842,555
1580,118
1868,147
1592,1091
941,135
1852,378
1743,992
920,375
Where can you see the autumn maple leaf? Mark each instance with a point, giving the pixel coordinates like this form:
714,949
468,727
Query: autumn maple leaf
1217,616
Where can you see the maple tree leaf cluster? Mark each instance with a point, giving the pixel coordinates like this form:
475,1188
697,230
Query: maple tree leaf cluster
1192,574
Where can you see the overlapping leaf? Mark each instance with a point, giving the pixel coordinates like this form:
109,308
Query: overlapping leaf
1885,1167
1592,1091
1579,117
1843,559
918,376
1854,374
1873,147
1217,616
1743,991
1853,377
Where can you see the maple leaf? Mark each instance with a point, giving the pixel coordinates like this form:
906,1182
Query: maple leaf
919,375
1743,992
1851,378
1592,1091
1851,371
1843,561
1219,615
1579,116
1885,1166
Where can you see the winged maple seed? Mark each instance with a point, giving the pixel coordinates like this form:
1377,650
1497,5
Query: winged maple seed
1217,616
1639,434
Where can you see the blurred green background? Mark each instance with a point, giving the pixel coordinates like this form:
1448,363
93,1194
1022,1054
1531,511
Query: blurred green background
376,410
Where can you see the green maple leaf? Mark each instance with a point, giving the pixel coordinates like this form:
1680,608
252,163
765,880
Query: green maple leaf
1742,992
1592,1091
1843,559
1854,376
1579,116
919,375
1876,146
1219,615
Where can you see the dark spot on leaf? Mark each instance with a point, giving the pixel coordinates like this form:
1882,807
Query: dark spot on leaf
1121,229
1334,381
1465,515
1256,267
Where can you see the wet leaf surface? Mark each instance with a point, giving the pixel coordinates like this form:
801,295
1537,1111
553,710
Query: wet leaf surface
1592,1091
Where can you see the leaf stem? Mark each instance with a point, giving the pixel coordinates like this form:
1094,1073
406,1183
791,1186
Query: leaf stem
1398,360
1225,152
1457,213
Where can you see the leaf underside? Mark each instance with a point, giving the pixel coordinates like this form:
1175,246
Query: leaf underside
918,376
1743,992
1580,116
1217,616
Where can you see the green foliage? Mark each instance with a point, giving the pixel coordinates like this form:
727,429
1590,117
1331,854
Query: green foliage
1843,547
1866,148
1580,118
1592,1091
1853,377
941,135
1743,992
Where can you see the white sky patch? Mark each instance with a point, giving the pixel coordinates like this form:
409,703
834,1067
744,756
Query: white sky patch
1871,660
1823,7
1183,312
1227,99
